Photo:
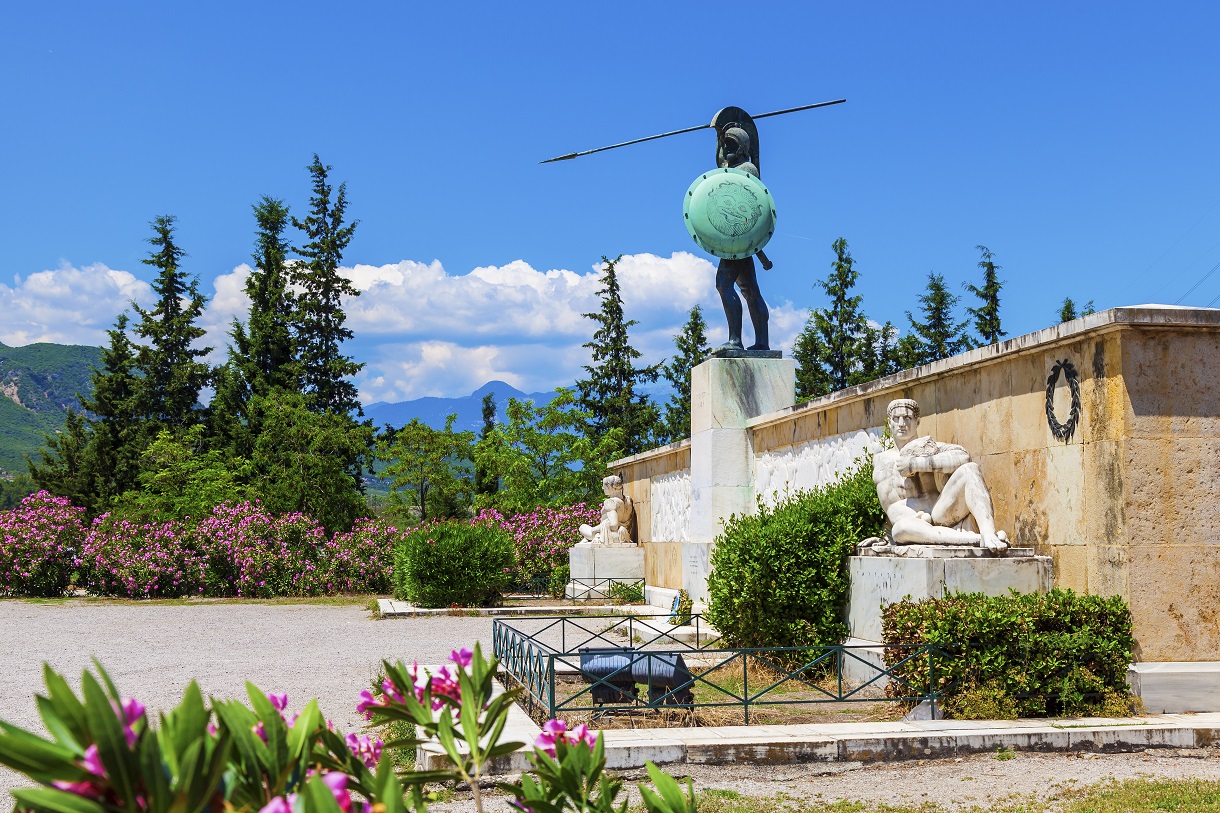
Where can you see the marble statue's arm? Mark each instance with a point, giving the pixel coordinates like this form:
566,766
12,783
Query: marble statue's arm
949,459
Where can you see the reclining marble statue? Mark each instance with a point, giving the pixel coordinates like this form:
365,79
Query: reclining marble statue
618,516
931,492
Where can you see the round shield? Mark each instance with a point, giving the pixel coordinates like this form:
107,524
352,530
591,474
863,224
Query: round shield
729,213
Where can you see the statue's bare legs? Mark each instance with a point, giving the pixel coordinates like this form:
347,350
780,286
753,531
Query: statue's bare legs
964,495
742,273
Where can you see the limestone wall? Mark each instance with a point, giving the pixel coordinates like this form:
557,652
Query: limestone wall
1128,505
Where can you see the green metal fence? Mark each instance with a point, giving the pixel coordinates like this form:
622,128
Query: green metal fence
598,664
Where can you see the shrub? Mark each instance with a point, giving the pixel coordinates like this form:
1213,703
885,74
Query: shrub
1054,654
136,560
39,540
360,561
779,578
560,576
253,554
453,563
542,537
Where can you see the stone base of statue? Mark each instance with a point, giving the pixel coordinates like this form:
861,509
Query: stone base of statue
595,567
927,571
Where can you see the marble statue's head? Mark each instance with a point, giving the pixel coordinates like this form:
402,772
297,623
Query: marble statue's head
902,416
612,484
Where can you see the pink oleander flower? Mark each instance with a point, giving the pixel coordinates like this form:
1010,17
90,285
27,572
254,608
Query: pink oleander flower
367,702
277,805
259,731
555,731
93,762
367,749
278,701
337,782
462,657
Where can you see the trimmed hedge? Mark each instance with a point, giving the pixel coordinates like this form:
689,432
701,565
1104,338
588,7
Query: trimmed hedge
1058,654
454,563
779,578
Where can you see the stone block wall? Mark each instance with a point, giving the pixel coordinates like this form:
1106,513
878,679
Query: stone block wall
1128,505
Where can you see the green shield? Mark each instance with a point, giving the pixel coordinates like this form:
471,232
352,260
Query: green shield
729,213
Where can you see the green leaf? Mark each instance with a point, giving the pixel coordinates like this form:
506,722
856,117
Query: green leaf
52,800
117,758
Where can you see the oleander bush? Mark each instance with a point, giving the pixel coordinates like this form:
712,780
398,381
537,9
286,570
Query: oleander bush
358,561
39,542
129,559
779,577
462,563
252,553
542,537
1058,654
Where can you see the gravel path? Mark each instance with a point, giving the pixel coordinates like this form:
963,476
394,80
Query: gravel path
153,651
332,652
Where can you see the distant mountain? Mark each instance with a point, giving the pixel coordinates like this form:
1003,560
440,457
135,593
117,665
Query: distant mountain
38,384
434,411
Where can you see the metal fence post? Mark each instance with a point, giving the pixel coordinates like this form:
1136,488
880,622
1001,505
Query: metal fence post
745,685
550,671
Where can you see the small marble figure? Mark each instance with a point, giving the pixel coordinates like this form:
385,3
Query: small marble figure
931,492
618,516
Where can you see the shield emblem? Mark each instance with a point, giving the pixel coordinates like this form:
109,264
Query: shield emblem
729,213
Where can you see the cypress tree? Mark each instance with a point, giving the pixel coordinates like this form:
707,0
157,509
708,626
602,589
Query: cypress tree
1067,311
485,482
319,316
812,379
830,347
987,314
938,336
693,350
609,393
170,374
268,354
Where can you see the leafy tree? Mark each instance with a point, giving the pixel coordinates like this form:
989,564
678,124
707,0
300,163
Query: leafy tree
319,317
181,479
427,464
609,393
302,460
168,367
484,481
987,314
15,489
938,336
1067,311
542,456
693,350
832,344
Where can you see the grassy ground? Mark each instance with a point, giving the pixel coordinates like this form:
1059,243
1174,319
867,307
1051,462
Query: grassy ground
1131,796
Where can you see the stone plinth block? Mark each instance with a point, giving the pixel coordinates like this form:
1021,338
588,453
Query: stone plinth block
592,564
696,564
1176,687
725,393
878,581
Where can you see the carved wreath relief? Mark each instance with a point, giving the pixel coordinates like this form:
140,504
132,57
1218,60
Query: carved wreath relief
1063,431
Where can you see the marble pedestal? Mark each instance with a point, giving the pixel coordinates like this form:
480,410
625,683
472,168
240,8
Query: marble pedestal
725,394
595,566
930,572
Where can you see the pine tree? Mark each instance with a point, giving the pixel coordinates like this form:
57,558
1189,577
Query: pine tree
1067,311
829,349
878,354
938,336
486,483
987,314
261,352
117,440
609,393
692,350
319,317
812,379
171,376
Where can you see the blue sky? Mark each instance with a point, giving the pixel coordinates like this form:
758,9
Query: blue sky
1077,141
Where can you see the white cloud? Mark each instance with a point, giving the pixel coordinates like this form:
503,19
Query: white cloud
419,329
68,305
